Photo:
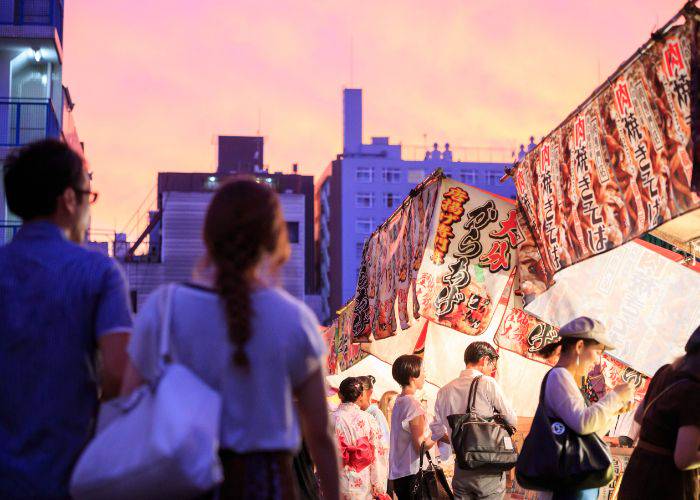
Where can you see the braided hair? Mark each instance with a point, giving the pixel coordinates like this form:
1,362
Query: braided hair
243,225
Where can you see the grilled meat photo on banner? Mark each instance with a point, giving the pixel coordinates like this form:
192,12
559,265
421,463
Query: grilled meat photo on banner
618,167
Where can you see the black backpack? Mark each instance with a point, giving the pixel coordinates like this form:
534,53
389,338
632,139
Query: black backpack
481,443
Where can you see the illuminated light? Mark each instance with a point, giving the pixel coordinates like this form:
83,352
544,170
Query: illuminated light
37,55
44,79
212,178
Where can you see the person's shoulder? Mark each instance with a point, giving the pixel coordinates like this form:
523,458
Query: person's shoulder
282,302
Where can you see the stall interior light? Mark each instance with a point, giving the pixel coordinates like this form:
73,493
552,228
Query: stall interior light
212,178
37,55
44,79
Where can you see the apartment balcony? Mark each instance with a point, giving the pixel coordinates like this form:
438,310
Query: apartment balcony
33,14
26,120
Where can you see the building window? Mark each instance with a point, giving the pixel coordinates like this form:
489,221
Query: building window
416,175
293,232
392,175
468,177
391,200
493,177
364,225
364,200
363,174
359,247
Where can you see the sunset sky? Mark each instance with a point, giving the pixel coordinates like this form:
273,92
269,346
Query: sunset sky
155,81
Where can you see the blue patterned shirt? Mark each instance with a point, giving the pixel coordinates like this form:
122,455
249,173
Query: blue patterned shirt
56,300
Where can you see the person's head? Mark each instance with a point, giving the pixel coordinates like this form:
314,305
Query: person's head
244,232
47,180
387,402
481,356
408,371
367,389
350,390
580,346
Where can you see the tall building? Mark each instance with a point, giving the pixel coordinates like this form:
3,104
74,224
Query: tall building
367,182
34,104
170,247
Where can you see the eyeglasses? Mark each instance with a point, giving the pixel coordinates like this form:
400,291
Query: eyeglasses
92,195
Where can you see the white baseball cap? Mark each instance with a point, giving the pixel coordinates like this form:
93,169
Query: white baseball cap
585,328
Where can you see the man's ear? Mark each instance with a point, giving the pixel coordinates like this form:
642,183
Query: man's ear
68,201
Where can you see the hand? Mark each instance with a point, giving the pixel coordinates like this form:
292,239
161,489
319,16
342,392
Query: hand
625,391
625,408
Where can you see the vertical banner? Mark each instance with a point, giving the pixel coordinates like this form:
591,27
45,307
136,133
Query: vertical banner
468,259
619,166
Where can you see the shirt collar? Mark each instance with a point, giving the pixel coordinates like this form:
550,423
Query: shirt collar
41,229
348,406
470,372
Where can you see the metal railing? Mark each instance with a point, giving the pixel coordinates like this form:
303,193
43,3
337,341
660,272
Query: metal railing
460,153
26,120
33,12
8,230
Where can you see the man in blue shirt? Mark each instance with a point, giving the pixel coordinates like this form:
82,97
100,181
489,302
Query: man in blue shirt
64,323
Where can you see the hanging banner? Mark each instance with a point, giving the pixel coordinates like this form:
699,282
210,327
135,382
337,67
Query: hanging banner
385,298
469,258
619,166
342,352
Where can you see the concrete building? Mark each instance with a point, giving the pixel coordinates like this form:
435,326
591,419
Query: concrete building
367,182
170,247
34,104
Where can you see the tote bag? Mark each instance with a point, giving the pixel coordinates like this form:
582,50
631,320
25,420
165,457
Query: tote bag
482,444
555,458
159,442
430,483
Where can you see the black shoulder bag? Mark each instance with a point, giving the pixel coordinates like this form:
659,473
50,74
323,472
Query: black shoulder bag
430,483
482,443
555,458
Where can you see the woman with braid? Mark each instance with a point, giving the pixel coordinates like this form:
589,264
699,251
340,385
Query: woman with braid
251,341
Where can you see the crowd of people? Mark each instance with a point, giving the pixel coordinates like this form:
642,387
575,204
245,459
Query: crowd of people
68,342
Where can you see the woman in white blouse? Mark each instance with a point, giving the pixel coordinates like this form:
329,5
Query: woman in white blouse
409,426
582,343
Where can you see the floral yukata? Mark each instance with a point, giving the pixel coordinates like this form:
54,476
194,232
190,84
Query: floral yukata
363,451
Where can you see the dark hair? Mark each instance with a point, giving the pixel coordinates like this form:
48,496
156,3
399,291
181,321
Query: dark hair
477,350
405,368
367,381
350,389
566,343
37,174
244,221
693,344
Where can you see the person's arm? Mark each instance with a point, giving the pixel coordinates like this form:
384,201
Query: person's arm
113,327
501,403
417,429
639,414
439,425
132,378
566,402
113,360
315,426
379,468
686,455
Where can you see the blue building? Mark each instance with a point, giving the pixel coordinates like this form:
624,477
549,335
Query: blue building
367,182
34,104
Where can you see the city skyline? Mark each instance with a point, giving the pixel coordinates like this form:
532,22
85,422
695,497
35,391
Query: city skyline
163,82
